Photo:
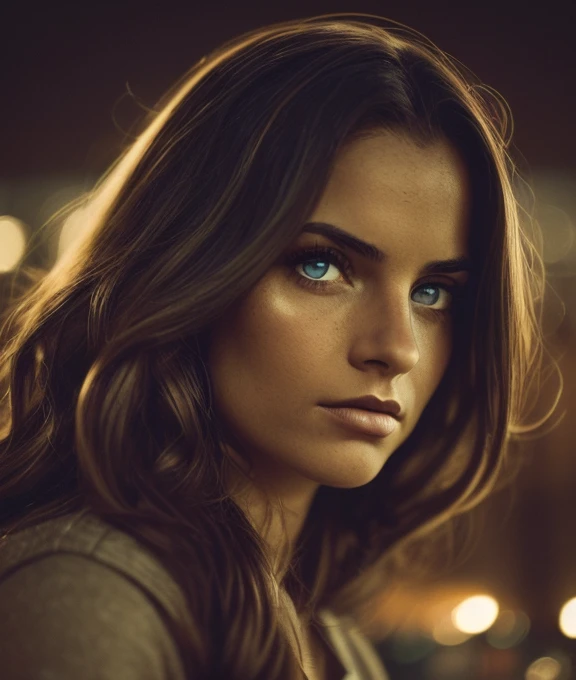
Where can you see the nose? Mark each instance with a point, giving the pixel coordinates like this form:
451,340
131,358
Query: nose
393,340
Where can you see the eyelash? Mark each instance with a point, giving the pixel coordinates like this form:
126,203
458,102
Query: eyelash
335,257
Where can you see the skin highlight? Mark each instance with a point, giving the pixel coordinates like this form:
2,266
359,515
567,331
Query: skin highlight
286,349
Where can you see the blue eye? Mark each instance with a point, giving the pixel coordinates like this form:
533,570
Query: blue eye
315,264
434,294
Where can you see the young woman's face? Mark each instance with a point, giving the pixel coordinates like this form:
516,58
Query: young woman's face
379,328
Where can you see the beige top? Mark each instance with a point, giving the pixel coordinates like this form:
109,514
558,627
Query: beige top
81,599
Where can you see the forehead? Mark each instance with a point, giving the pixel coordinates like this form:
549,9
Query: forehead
394,161
388,187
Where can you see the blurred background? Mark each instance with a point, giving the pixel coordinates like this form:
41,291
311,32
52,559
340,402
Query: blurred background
74,81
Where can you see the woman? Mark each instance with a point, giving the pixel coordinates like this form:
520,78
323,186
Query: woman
321,210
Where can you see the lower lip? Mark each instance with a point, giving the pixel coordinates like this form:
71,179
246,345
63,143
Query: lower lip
369,422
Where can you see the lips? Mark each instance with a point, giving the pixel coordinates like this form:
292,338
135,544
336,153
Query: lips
370,403
372,423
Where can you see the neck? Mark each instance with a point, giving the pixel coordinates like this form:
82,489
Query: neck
276,505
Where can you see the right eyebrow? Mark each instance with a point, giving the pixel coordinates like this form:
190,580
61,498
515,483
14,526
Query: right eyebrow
374,254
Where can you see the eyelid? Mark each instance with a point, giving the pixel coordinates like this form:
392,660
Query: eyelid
441,280
318,250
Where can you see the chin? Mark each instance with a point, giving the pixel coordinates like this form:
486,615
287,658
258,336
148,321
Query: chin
353,475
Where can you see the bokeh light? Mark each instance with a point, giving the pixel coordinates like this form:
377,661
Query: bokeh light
12,242
544,668
476,614
509,629
567,620
72,230
445,632
559,233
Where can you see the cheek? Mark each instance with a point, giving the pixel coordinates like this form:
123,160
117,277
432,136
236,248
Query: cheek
264,348
435,354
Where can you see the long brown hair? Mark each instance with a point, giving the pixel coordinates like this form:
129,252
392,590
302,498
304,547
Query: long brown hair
105,388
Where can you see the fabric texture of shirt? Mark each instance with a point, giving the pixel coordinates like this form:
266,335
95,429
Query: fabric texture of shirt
81,599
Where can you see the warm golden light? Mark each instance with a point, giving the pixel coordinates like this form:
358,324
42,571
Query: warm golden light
12,242
545,668
475,615
567,620
445,632
71,230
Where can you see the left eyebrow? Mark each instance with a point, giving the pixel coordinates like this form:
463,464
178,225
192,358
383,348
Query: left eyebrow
374,254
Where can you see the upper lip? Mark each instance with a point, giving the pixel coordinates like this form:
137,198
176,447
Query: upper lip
371,403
